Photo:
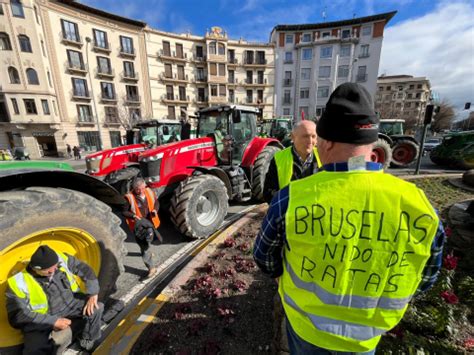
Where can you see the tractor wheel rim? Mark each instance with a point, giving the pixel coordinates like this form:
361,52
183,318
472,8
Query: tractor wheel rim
207,208
378,155
403,154
13,258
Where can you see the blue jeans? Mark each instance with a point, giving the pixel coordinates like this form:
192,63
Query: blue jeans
299,346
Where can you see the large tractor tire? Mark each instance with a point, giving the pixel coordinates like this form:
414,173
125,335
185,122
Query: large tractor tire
67,221
122,179
382,153
199,205
262,163
404,153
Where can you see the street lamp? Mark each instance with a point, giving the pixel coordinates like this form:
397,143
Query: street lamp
89,40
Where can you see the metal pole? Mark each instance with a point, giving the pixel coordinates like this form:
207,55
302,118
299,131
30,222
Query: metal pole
422,144
88,40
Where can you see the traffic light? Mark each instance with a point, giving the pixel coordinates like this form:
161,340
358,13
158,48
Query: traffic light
428,114
467,105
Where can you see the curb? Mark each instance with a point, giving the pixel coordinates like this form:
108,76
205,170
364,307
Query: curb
423,176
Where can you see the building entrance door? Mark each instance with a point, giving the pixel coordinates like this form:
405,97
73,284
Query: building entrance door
47,145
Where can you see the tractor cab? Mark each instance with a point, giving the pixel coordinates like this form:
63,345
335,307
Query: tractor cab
391,127
155,132
232,129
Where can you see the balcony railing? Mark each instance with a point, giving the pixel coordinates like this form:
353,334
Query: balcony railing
80,95
108,98
127,53
132,99
105,72
173,98
85,120
71,38
199,59
101,47
255,61
168,55
287,100
232,81
200,100
129,76
232,60
287,82
76,68
361,77
364,55
200,79
174,77
288,61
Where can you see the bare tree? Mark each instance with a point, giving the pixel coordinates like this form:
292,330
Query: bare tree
444,118
127,118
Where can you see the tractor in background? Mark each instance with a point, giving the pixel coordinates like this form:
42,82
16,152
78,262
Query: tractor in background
119,165
279,128
197,177
456,150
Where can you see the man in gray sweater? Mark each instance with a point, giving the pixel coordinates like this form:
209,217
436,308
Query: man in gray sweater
44,301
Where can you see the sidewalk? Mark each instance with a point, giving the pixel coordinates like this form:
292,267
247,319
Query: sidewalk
78,165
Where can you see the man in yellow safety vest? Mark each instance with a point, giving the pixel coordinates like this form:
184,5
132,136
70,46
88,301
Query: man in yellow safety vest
350,245
299,160
45,302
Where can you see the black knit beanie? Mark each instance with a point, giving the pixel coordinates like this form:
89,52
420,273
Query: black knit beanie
349,116
43,258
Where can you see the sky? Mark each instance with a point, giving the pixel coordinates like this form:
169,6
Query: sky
431,38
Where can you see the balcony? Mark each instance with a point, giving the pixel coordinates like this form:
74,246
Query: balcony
259,102
217,79
73,39
232,62
80,96
361,77
217,99
257,62
85,121
221,58
200,100
107,73
353,38
127,53
102,47
175,78
364,55
200,80
171,99
112,122
108,99
254,82
132,99
127,76
165,55
201,59
287,101
287,82
288,61
75,68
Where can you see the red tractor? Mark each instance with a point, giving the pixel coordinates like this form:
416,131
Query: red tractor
227,161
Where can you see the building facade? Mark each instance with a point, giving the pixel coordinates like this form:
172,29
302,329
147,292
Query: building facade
311,60
190,72
403,97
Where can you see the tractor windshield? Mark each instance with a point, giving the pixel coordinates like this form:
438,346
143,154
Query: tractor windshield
391,128
169,133
149,135
209,122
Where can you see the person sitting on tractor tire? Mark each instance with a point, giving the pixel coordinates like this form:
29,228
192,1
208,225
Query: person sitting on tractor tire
45,302
141,215
299,160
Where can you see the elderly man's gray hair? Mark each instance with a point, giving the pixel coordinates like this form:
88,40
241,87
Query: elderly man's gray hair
302,123
137,182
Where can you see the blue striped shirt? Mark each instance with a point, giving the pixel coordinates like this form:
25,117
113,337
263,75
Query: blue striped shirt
268,248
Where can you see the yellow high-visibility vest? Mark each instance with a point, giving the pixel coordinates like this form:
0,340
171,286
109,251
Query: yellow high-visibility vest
357,243
284,163
24,285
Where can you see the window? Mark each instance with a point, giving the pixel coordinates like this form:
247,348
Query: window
75,59
166,49
132,92
182,93
104,65
231,76
306,38
80,87
249,97
221,69
70,31
134,113
17,8
259,96
304,110
1,9
13,74
289,39
42,48
400,88
346,33
364,51
212,48
409,96
343,71
408,104
419,86
221,48
305,73
319,111
213,69
171,113
115,139
111,114
126,45
249,79
412,87
213,90
16,109
45,105
49,79
107,90
32,76
200,74
169,92
89,141
362,73
36,15
100,39
307,53
231,95
201,94
168,70
181,75
304,93
287,97
324,72
179,50
199,52
389,88
25,44
288,57
5,44
326,34
222,90
345,51
366,30
84,113
261,57
326,52
323,91
418,95
30,106
260,77
286,111
129,69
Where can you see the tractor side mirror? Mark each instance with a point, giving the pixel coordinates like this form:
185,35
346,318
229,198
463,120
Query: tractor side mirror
236,116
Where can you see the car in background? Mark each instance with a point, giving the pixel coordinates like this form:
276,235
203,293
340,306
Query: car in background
430,144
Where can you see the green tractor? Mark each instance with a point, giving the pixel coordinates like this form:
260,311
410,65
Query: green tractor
50,203
456,150
279,128
393,147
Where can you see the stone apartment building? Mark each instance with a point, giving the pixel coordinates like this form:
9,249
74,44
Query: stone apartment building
403,97
77,75
189,72
311,60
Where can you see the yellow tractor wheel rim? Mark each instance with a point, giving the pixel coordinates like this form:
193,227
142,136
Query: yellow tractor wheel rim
15,257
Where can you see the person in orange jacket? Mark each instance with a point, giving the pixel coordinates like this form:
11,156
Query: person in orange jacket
141,215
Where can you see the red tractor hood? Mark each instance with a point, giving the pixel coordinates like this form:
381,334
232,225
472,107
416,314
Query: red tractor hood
175,148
